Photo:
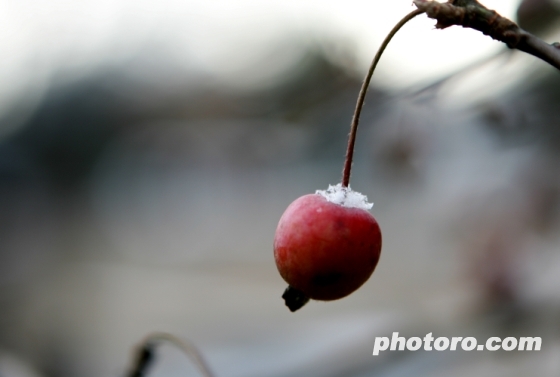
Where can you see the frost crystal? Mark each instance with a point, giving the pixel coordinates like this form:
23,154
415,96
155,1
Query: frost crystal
344,196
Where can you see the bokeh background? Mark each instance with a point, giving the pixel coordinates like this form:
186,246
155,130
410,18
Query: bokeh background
148,149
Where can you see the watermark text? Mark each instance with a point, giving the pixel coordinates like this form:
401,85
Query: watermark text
429,343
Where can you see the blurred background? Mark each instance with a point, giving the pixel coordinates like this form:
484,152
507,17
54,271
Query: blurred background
148,149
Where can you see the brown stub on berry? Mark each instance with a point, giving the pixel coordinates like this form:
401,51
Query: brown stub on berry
294,298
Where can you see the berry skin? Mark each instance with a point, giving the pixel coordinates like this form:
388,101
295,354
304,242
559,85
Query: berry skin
326,250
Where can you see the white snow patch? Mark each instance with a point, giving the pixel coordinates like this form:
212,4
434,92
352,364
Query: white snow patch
344,196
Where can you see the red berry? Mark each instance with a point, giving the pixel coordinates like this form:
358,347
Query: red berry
326,250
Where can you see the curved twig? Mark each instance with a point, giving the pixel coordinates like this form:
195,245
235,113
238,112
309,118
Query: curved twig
146,352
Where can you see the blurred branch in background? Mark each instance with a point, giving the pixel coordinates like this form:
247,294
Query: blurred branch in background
146,354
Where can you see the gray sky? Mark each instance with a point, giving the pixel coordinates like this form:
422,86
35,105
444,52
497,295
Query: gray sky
229,40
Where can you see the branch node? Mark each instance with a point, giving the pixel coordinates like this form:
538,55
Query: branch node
472,14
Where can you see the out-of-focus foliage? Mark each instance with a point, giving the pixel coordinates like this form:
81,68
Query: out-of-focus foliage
539,17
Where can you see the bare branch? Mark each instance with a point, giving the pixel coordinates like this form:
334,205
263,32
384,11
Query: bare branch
472,14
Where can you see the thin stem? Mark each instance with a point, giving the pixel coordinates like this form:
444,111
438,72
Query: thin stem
145,354
362,96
